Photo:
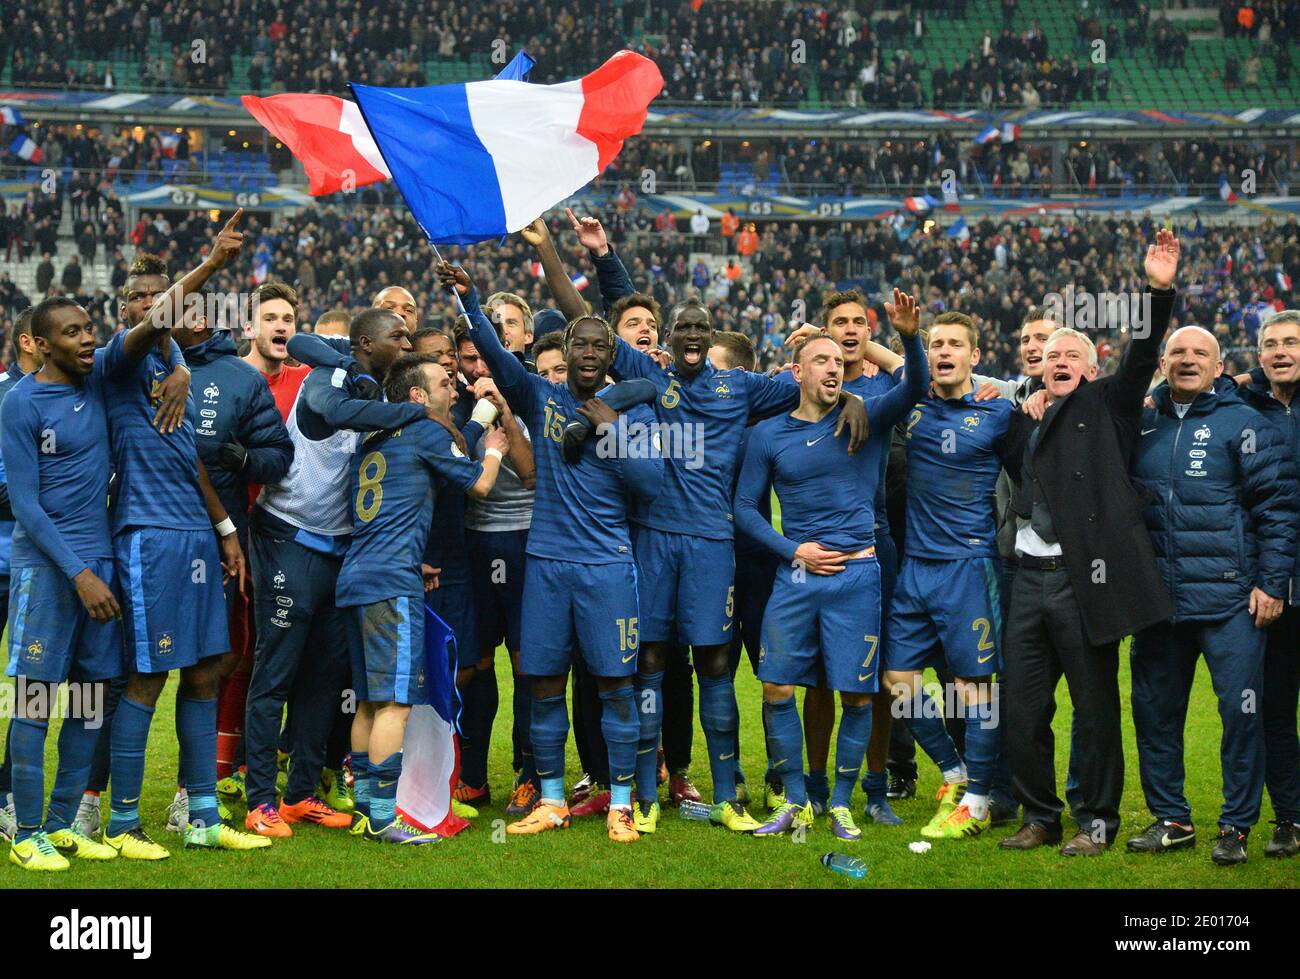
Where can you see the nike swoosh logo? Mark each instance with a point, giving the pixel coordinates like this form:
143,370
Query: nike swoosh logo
383,785
22,859
864,679
628,659
623,778
984,659
79,407
130,802
158,373
1147,431
815,441
727,756
778,764
726,627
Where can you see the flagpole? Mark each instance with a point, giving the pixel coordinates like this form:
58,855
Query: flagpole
456,295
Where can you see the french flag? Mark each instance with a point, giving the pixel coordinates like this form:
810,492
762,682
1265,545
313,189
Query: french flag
170,143
579,280
959,230
1283,281
1010,132
988,135
10,117
327,135
1226,193
920,205
430,756
483,159
24,148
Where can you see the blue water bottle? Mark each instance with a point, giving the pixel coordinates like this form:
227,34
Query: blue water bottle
842,863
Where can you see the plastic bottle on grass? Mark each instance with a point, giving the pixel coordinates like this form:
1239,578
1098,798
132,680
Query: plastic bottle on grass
842,863
695,810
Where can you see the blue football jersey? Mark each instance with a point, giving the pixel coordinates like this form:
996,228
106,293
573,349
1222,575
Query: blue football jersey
56,450
157,476
702,419
397,478
580,511
954,455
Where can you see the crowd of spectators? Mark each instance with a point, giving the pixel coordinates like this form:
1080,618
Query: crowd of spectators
340,256
746,52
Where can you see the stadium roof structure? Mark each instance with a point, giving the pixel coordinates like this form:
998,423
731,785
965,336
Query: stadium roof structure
220,110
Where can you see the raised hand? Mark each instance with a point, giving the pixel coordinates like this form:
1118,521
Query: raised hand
535,233
1162,260
228,242
904,315
591,235
453,278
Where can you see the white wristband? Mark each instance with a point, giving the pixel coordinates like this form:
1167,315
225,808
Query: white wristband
494,453
225,528
485,412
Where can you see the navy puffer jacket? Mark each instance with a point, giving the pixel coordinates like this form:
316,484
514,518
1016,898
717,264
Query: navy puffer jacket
1221,501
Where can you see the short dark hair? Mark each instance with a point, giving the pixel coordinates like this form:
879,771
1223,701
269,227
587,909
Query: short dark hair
548,341
839,299
144,263
429,331
1035,313
682,307
739,347
407,372
802,345
329,316
460,333
624,303
369,322
22,326
42,315
955,318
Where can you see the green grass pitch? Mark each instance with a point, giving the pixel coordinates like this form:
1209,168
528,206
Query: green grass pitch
682,853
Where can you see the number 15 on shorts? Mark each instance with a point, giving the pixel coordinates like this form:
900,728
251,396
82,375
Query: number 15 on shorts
627,636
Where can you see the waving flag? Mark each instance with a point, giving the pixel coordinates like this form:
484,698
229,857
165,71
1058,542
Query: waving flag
24,148
170,143
1226,193
1010,132
959,231
483,159
988,135
10,117
920,205
429,753
327,135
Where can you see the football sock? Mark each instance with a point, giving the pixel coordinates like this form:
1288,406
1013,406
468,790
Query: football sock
850,749
196,732
76,751
926,724
817,785
977,804
785,747
619,725
383,790
6,766
128,739
523,735
875,784
361,781
481,703
720,718
649,703
28,738
550,729
982,738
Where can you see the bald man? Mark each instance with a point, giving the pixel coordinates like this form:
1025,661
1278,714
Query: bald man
1221,506
401,302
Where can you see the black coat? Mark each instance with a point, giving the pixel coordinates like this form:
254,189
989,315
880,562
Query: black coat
1082,463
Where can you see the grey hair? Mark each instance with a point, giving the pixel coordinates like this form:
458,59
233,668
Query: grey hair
1277,319
1066,331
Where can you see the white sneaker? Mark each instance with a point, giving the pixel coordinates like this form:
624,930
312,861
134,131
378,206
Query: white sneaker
178,813
8,820
87,819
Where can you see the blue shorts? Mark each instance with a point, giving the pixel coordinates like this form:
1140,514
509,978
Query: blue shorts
824,629
386,644
454,603
686,582
497,567
947,613
52,637
571,608
173,608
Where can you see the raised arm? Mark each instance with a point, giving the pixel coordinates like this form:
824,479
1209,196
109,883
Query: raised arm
328,393
320,351
563,290
513,380
890,408
1142,355
611,276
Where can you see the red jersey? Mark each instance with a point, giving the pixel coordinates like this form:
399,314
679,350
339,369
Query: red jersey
285,385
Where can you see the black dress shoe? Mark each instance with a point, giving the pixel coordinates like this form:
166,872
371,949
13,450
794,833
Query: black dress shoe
1163,836
1285,841
1031,836
1083,845
900,787
1230,849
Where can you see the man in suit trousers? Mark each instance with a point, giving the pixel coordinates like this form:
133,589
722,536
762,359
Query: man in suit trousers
1087,572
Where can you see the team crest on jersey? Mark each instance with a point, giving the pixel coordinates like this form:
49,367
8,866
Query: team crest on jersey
166,644
1203,434
278,580
35,651
722,390
155,393
970,423
419,680
211,392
